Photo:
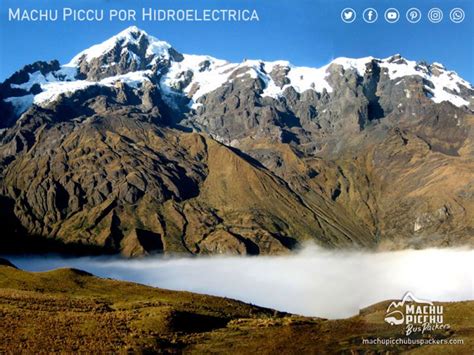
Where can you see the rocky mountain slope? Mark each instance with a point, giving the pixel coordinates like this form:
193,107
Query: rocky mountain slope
133,147
105,315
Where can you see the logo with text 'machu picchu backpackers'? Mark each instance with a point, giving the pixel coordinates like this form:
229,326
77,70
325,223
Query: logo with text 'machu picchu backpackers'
418,316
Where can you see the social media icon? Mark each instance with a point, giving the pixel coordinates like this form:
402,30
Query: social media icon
435,15
348,15
392,15
413,15
457,15
370,15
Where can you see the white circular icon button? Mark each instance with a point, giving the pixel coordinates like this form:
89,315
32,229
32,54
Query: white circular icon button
348,15
435,15
457,15
392,15
370,15
413,15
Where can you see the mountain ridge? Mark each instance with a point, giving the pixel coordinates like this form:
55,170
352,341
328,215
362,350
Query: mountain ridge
160,152
152,51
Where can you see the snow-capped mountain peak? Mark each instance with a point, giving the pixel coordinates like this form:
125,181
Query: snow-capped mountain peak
131,39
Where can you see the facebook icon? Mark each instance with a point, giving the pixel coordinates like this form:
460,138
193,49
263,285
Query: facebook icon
370,15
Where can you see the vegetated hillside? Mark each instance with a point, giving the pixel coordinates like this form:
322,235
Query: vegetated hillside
70,310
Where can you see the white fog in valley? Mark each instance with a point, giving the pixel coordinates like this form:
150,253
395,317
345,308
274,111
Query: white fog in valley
313,282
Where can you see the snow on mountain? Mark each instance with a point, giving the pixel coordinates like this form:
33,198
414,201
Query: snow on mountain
446,84
208,74
197,75
66,73
60,82
300,78
358,64
132,79
130,36
21,103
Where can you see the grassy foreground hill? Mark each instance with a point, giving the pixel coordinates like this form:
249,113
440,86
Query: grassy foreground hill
68,310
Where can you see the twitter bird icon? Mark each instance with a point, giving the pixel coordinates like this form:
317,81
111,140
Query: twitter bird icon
348,15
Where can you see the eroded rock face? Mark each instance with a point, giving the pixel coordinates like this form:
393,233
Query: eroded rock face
104,174
319,122
164,193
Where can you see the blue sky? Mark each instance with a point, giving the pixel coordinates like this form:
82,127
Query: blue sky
305,32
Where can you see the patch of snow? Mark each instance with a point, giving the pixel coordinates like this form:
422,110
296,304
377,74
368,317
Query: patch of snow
35,78
52,90
305,78
350,63
133,79
445,80
157,47
271,89
134,58
194,105
20,103
301,79
64,74
204,80
269,66
67,72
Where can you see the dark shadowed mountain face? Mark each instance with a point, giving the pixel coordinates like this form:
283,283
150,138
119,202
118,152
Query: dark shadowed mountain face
135,148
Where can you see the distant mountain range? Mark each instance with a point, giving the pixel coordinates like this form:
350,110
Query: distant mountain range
133,147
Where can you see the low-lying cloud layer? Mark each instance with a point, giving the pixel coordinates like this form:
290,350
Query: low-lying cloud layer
313,282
